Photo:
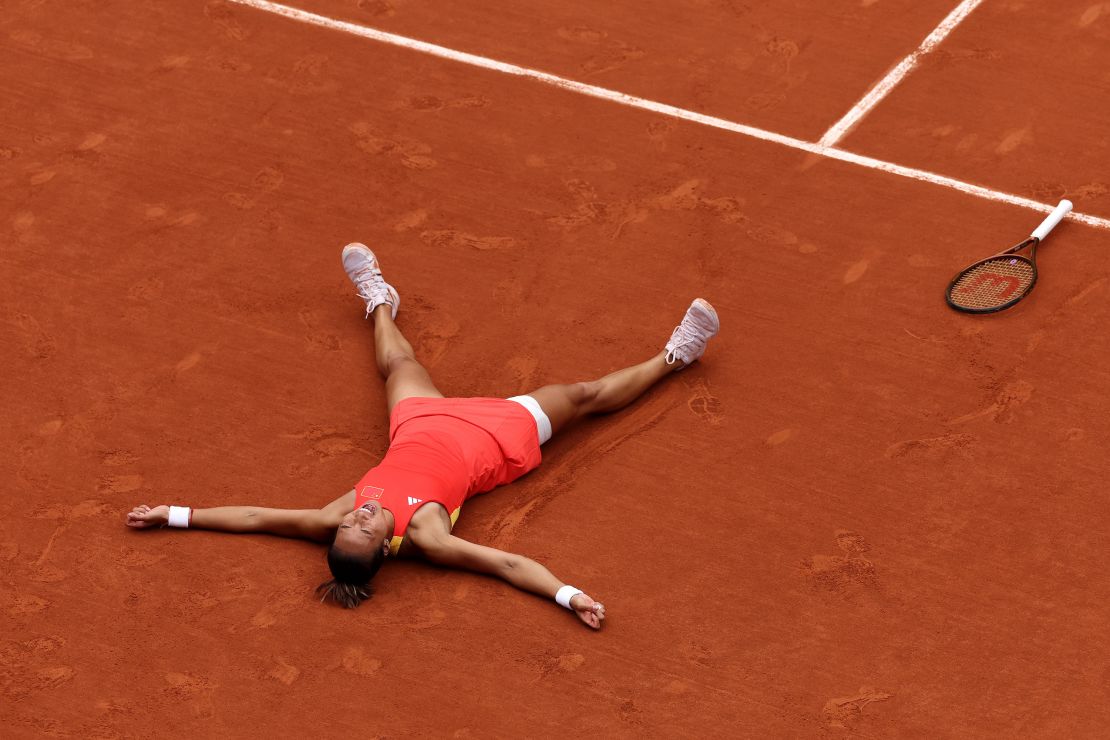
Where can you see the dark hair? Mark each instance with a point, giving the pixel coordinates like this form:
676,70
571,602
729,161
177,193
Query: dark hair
352,572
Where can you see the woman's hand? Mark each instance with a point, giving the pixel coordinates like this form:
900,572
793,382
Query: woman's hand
142,517
589,611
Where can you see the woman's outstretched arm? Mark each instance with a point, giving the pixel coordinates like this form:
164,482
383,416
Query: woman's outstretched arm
309,524
524,573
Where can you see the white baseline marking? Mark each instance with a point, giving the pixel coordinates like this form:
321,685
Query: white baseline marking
664,109
895,76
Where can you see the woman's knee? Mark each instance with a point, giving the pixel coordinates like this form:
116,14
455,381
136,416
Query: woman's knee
396,362
582,395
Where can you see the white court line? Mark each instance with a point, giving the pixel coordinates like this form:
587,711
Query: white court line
888,83
663,109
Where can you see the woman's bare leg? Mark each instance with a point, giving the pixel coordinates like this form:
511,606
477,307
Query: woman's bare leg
404,376
566,403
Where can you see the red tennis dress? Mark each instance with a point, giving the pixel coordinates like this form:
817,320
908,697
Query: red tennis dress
445,450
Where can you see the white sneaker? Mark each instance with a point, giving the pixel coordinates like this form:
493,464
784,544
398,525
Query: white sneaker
699,325
362,268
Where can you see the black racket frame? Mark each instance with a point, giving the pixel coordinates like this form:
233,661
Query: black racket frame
1034,241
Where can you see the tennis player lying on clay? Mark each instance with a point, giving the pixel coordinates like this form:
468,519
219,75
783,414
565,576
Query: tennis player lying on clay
442,451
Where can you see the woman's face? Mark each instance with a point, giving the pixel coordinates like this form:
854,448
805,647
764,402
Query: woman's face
363,530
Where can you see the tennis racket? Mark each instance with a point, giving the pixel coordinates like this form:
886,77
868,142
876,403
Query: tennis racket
999,282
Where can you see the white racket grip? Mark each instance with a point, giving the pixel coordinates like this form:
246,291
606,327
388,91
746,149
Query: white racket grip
1054,218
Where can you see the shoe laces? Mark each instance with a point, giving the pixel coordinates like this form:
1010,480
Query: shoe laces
681,336
371,288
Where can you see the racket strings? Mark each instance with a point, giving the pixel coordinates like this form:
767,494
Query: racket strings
993,283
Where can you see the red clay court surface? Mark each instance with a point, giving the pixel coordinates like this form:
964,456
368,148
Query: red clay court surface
862,515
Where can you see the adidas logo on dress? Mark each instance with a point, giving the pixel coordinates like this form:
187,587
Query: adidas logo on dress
413,501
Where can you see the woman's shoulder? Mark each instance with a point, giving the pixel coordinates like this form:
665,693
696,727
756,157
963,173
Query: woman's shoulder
427,527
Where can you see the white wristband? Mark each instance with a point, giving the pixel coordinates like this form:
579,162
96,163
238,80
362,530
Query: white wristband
179,516
565,594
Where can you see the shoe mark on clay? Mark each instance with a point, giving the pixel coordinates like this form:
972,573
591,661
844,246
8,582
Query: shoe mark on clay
523,367
223,17
412,154
610,59
613,54
856,271
780,53
41,176
585,34
1013,139
147,290
277,608
658,131
780,437
703,403
450,239
227,64
283,672
420,618
960,443
91,142
411,220
22,605
326,442
843,574
266,180
37,343
1004,408
843,712
772,234
764,100
630,712
572,163
1089,191
1081,295
560,477
430,103
66,515
1092,14
186,363
696,652
173,61
54,48
377,8
686,197
946,57
130,557
434,338
195,691
551,663
119,484
22,222
322,340
356,662
1045,190
308,76
588,210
